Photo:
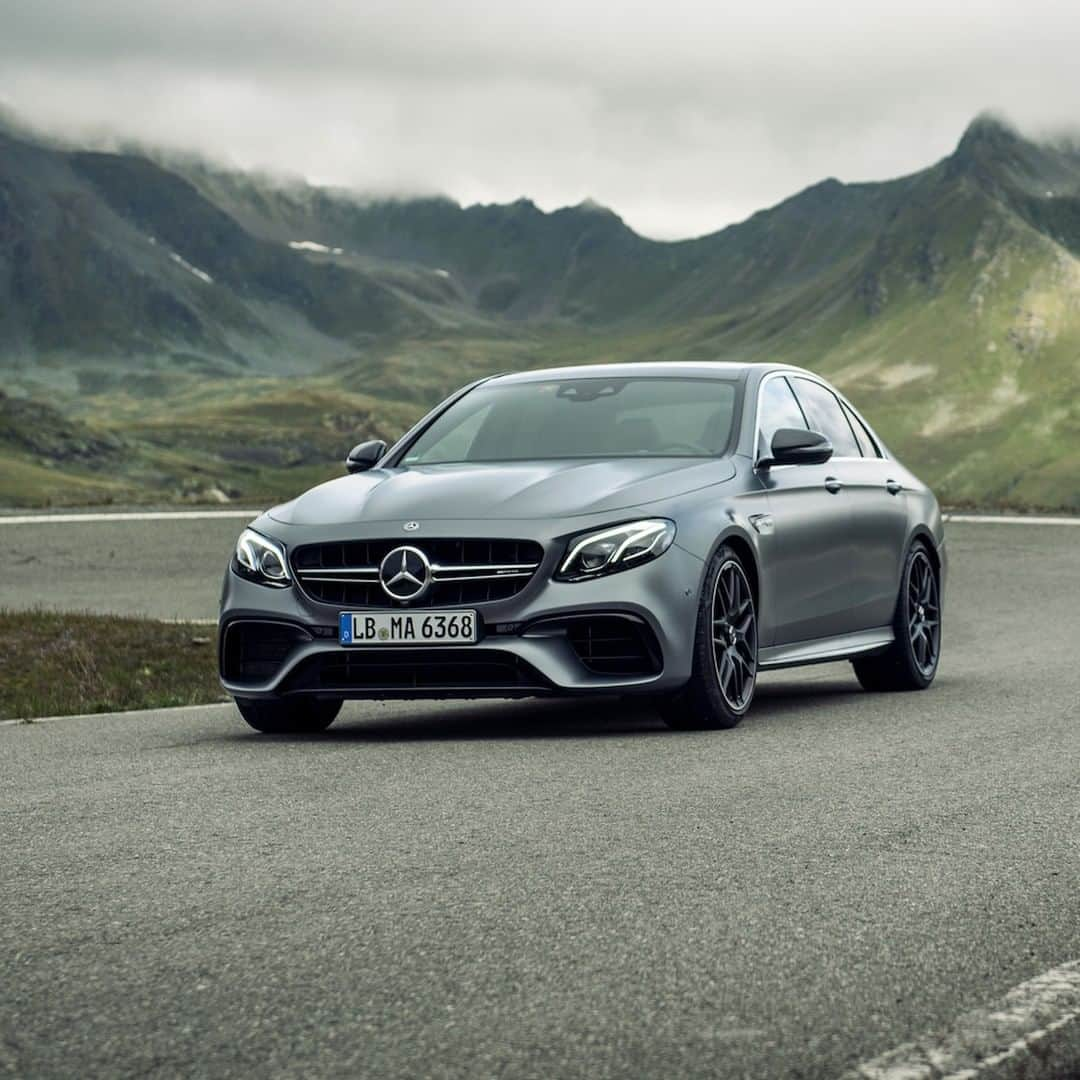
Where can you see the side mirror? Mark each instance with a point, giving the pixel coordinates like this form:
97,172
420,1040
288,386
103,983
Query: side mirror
365,455
797,446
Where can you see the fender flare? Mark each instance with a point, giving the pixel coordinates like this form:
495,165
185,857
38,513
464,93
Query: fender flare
745,545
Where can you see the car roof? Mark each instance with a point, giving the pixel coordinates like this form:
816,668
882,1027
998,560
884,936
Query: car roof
644,370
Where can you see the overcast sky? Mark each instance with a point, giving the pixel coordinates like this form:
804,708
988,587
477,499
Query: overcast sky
681,116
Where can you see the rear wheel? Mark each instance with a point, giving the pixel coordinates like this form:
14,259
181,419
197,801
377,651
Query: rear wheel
911,661
287,716
721,686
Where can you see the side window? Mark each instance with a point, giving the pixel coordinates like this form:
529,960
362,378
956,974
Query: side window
822,408
866,441
779,409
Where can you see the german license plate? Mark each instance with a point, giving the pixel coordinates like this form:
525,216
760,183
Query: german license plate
407,628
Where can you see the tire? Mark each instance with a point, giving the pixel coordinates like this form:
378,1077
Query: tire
911,662
288,717
724,674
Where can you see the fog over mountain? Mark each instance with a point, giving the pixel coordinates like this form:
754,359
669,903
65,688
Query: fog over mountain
682,116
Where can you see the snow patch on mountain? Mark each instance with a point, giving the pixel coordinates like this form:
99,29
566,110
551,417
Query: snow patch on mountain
310,245
202,275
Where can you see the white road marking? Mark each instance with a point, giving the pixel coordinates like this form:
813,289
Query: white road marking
135,515
1010,519
1005,1034
32,720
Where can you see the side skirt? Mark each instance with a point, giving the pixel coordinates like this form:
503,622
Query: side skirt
824,650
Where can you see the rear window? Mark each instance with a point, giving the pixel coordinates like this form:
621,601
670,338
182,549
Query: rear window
867,442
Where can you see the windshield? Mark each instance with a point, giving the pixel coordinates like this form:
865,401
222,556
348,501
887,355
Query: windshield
581,418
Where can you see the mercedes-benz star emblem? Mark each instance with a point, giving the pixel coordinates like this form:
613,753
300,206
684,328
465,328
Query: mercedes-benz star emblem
405,574
411,526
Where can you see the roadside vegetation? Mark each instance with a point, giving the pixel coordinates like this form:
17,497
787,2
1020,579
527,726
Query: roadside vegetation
57,664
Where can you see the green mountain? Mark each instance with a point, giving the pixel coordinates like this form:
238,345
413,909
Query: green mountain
237,333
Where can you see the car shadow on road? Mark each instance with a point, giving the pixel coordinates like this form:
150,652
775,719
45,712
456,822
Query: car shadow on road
532,718
555,718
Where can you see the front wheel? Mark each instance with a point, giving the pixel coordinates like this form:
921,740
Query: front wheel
911,662
288,716
724,675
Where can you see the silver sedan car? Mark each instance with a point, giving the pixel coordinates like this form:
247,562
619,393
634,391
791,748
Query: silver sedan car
666,529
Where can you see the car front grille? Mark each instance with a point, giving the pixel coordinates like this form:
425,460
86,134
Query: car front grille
371,672
464,572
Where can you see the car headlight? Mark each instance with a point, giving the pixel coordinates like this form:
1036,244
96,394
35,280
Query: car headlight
619,548
260,559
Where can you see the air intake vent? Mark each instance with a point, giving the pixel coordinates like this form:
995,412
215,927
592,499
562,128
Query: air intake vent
614,645
252,651
449,671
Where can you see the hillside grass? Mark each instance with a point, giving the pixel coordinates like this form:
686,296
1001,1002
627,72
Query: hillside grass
60,664
945,303
25,482
970,373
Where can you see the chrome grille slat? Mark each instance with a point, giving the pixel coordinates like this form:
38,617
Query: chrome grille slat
443,573
440,573
436,568
338,575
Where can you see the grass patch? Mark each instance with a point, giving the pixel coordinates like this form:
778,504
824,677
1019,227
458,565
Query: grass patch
57,664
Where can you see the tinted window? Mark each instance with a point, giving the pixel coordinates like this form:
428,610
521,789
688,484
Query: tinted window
822,408
779,409
581,418
866,441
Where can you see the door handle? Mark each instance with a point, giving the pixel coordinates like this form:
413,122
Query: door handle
832,484
894,487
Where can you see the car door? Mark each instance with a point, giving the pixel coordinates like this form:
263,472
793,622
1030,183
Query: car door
880,507
810,550
878,515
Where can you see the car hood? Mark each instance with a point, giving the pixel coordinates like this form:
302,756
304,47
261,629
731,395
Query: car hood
544,489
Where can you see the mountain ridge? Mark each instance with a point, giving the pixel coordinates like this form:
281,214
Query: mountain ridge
947,300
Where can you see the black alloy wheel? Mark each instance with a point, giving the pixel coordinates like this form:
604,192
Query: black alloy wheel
924,613
724,675
734,636
911,661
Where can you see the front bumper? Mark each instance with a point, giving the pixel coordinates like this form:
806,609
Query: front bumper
526,647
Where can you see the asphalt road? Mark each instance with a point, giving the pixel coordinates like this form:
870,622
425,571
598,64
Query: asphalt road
537,890
163,569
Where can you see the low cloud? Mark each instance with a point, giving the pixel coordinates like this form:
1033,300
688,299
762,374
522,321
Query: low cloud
682,117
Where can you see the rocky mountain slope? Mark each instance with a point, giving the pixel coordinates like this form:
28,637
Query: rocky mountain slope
142,294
